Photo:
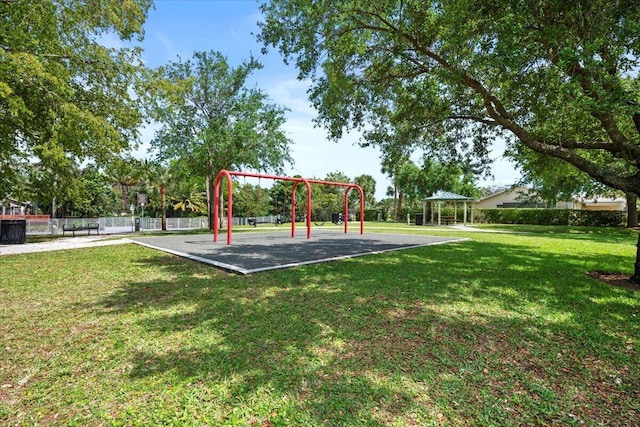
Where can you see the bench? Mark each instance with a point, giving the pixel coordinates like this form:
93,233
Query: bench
254,222
447,219
75,227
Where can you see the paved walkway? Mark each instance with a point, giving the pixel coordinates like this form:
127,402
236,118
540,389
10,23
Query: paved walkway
63,243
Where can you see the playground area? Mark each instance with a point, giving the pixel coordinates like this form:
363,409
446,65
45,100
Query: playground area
254,252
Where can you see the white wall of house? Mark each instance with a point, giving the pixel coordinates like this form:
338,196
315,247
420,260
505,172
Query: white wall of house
602,204
515,196
510,196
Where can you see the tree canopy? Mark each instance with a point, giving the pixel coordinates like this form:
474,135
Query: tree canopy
211,121
64,94
557,77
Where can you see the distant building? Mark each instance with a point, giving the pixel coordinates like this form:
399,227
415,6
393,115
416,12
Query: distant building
598,204
517,197
13,207
520,197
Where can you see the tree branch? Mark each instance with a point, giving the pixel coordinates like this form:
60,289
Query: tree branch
499,116
478,119
607,119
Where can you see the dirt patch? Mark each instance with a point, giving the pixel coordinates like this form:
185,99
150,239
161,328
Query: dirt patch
622,280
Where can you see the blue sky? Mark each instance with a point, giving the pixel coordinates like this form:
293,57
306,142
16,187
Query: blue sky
180,27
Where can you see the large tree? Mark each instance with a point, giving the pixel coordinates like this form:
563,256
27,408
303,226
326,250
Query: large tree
417,183
368,185
157,178
65,95
559,77
211,121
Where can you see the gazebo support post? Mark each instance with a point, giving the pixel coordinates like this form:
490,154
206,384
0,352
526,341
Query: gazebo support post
464,217
432,212
471,213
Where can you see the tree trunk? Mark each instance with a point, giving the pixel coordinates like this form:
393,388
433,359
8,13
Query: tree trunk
210,200
399,210
632,221
163,203
632,210
636,271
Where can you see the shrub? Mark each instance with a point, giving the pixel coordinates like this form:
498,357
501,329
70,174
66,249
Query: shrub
550,217
372,215
597,218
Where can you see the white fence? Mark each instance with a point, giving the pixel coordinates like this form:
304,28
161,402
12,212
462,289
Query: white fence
126,224
123,224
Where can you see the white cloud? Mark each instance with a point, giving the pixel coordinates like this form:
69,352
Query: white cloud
292,93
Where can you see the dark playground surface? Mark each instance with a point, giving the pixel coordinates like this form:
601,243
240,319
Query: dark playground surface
253,252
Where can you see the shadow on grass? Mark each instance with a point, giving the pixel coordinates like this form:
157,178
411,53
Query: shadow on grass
472,333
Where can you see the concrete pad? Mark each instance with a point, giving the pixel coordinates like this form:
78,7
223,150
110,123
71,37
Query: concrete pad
253,252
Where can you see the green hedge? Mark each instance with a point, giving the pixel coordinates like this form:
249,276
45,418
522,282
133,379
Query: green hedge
550,217
372,214
598,218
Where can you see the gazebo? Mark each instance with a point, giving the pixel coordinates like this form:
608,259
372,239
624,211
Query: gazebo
445,196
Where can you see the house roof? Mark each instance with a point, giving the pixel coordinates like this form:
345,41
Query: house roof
445,196
518,190
13,202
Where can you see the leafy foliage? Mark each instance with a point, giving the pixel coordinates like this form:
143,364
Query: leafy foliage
557,77
550,217
211,121
64,95
368,185
251,201
189,197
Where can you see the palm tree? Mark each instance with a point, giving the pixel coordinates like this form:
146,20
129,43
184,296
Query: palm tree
189,196
124,173
157,177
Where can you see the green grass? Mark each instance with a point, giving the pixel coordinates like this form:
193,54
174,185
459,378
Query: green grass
505,329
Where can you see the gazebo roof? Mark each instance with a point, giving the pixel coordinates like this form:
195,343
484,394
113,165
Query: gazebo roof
441,196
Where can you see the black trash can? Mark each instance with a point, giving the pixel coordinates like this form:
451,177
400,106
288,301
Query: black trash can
137,224
336,218
419,219
13,231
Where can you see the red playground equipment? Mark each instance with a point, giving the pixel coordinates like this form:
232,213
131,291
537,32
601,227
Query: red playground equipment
296,181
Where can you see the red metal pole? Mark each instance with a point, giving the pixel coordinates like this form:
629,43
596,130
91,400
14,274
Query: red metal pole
293,209
216,197
346,201
229,209
296,181
361,207
306,182
345,216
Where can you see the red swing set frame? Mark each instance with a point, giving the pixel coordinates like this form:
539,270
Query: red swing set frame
296,181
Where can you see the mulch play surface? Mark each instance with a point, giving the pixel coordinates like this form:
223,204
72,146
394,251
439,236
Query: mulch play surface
253,252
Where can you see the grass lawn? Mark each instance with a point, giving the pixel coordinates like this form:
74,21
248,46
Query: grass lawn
505,329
